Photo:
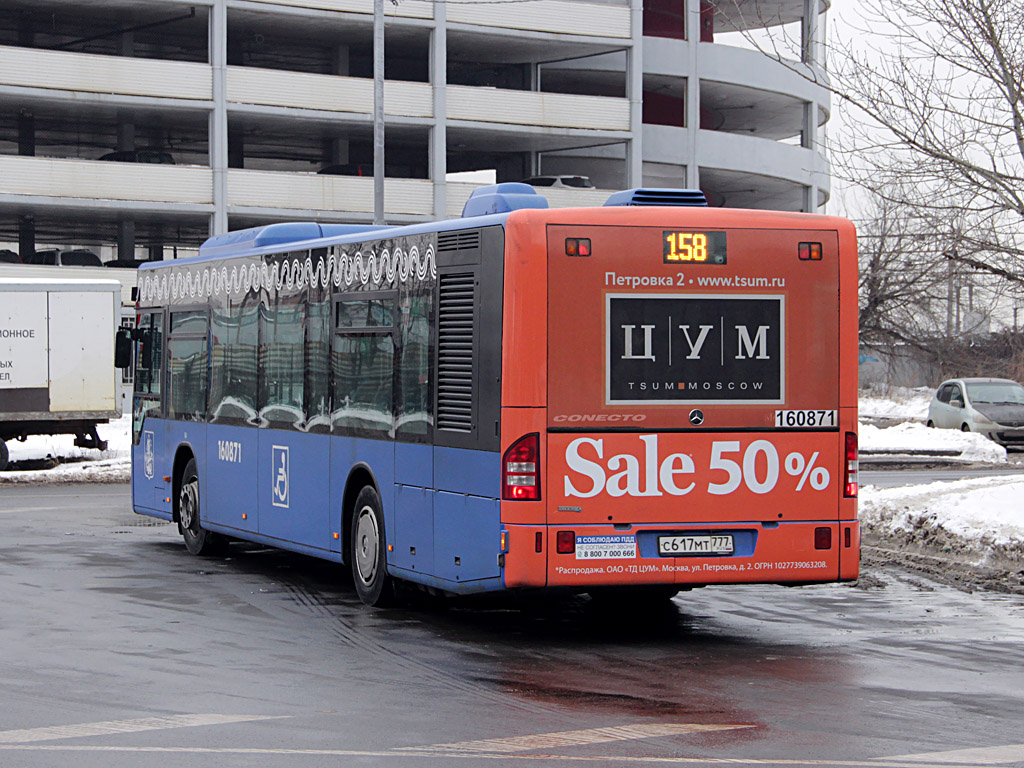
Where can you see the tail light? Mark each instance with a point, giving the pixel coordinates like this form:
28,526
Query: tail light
852,466
520,470
823,538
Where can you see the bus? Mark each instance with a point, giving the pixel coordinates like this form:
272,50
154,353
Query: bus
639,398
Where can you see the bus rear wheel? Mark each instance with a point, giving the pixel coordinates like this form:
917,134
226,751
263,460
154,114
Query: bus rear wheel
198,541
367,553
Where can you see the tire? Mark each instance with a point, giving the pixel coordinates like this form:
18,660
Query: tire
5,456
198,541
930,424
964,428
367,552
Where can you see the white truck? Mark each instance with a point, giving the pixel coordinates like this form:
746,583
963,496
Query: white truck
57,372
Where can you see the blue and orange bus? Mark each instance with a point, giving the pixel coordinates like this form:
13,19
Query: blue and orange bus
652,395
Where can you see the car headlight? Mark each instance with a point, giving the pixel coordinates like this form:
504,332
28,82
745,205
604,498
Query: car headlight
981,418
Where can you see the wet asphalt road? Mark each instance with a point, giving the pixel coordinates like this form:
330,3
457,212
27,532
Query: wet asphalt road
118,648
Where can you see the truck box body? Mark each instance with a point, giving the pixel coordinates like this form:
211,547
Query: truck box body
57,351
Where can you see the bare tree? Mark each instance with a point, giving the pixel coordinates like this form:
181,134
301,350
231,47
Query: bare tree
933,91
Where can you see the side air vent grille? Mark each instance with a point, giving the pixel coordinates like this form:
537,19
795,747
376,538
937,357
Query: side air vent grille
683,197
456,303
457,241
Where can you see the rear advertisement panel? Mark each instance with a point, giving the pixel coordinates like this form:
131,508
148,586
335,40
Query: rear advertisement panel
621,478
694,348
661,328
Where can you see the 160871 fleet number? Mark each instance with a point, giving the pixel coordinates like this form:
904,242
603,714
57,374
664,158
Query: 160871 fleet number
805,419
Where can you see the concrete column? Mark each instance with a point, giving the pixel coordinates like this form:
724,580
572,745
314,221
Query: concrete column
126,239
635,94
219,116
26,134
26,237
810,31
692,92
438,129
338,147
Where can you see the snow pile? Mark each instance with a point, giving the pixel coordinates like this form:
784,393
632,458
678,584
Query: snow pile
100,471
896,404
983,512
919,439
87,464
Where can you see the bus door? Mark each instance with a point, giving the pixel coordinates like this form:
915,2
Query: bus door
232,455
148,487
694,374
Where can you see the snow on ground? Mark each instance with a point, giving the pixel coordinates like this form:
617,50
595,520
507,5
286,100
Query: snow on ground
983,512
917,438
895,404
110,466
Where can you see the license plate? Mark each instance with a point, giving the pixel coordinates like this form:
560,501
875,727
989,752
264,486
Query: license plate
720,544
805,419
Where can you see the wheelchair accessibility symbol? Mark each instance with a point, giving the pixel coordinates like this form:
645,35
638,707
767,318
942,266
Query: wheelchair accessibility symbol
280,475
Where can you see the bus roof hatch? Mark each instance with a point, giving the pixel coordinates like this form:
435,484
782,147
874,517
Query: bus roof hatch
502,198
686,197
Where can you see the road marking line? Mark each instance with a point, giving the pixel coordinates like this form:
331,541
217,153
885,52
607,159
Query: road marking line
574,738
1011,753
605,759
121,726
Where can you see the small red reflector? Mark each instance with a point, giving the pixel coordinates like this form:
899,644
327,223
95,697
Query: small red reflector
538,542
823,538
577,246
809,251
565,542
847,537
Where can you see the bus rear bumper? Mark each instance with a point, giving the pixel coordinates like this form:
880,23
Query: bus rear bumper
602,555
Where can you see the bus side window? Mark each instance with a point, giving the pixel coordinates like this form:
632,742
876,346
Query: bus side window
148,369
415,352
187,366
318,371
233,358
282,363
362,364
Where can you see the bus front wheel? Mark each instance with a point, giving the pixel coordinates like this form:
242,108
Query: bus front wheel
367,551
198,541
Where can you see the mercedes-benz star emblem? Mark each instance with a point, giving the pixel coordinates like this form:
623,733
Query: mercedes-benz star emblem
696,417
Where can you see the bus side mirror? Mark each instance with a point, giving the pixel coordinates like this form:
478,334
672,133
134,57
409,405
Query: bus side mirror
123,348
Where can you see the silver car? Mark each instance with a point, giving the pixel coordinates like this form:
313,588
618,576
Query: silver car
991,407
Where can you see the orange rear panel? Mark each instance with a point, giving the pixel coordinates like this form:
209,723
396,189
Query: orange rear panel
659,385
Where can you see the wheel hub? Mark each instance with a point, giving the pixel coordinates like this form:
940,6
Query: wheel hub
367,543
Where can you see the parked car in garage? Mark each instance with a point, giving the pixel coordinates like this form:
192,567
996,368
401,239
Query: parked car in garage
76,257
560,181
9,257
991,407
140,156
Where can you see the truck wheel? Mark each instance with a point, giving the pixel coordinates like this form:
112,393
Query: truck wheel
5,455
367,553
198,541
